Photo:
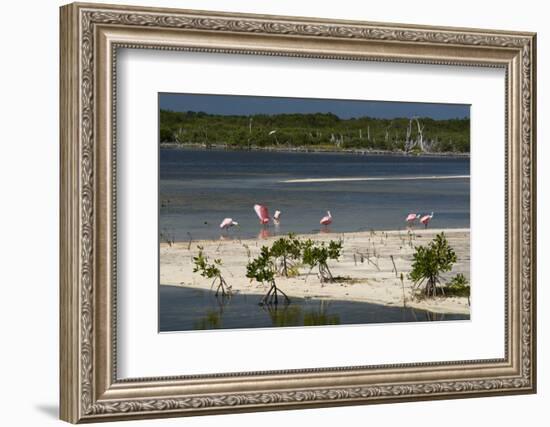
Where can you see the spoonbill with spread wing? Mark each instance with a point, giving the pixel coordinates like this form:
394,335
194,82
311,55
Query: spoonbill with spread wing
263,213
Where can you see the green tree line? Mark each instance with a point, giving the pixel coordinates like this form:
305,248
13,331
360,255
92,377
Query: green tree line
318,130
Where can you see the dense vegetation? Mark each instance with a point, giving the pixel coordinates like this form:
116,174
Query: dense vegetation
283,256
316,131
430,261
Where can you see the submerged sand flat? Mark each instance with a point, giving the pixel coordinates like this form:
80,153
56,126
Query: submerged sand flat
365,268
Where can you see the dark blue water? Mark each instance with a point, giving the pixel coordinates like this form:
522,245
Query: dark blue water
185,309
198,188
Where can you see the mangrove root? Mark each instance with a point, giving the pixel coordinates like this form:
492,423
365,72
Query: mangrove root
272,295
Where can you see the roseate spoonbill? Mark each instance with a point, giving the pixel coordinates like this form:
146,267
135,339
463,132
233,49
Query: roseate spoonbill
326,220
411,218
426,219
277,218
228,223
263,213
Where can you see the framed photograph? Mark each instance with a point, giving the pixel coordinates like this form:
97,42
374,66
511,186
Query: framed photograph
266,212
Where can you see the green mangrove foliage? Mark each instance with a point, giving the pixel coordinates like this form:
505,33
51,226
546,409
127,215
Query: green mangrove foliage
286,251
458,286
263,269
316,131
315,254
429,262
211,271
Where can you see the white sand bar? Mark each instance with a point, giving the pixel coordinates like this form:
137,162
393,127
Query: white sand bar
375,178
366,266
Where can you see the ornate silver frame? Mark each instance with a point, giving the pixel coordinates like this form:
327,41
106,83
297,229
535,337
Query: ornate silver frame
90,36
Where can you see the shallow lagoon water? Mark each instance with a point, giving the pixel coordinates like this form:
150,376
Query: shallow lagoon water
199,188
186,308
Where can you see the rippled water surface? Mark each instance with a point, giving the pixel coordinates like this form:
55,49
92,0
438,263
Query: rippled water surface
198,188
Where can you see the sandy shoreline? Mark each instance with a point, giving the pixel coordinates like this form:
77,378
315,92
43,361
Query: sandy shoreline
310,149
373,280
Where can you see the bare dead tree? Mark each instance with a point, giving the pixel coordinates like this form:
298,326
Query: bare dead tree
179,135
387,132
410,143
420,137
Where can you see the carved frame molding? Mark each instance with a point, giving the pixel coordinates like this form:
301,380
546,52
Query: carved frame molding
90,37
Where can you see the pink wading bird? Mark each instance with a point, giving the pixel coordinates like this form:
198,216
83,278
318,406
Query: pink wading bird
411,218
263,214
326,220
426,219
277,217
228,223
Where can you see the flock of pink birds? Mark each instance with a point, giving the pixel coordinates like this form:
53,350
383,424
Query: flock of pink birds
263,215
425,219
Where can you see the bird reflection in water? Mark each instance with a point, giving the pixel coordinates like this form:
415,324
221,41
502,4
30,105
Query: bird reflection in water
264,233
